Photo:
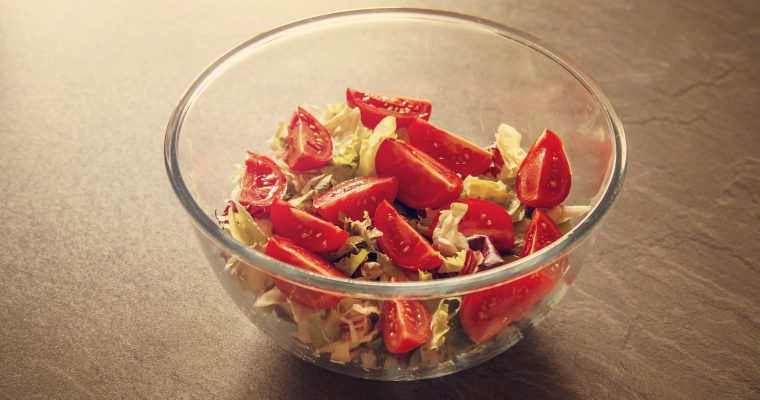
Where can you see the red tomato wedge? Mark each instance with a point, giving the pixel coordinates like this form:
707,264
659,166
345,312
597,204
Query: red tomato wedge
261,184
405,325
308,144
405,247
454,152
542,232
286,251
543,180
310,232
355,196
485,218
486,313
422,181
375,107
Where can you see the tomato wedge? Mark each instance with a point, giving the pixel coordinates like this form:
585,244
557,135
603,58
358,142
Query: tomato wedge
310,232
308,144
542,232
544,178
454,152
405,247
484,217
261,184
287,251
405,325
422,181
486,313
375,107
355,196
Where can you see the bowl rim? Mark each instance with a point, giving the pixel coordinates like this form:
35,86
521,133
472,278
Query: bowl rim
372,289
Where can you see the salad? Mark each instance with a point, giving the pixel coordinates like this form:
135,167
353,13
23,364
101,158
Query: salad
370,189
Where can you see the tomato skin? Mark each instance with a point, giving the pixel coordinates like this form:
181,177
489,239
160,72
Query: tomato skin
484,217
287,251
422,181
375,107
355,196
308,144
452,151
402,243
308,231
542,231
405,325
261,184
543,179
486,313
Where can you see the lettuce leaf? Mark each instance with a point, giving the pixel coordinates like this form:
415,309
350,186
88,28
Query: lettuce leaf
494,191
508,142
446,236
453,263
424,275
364,230
561,214
384,130
348,134
351,262
244,229
447,309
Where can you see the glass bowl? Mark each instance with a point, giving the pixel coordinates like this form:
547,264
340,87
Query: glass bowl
476,73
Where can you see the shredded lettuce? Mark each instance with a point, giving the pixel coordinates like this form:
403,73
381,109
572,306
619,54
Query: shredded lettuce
244,229
362,231
508,142
351,262
348,134
561,214
389,268
454,263
440,321
324,331
269,298
446,236
278,140
424,275
384,130
495,191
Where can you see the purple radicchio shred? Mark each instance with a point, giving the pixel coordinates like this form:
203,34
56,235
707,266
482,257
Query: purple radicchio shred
491,256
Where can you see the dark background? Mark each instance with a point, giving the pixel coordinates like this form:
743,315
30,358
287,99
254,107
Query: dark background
104,293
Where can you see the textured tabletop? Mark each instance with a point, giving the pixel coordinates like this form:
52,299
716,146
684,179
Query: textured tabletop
105,294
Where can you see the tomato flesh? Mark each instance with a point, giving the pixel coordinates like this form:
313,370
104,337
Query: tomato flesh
454,152
405,247
486,313
287,251
405,325
261,184
310,232
308,144
422,181
484,217
354,197
542,232
543,179
375,107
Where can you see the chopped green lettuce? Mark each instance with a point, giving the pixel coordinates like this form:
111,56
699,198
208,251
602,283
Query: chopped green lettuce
269,298
363,230
447,309
351,262
454,263
562,213
384,130
508,142
244,229
424,275
446,236
348,134
495,191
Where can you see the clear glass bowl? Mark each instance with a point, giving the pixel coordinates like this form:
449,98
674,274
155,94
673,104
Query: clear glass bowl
476,73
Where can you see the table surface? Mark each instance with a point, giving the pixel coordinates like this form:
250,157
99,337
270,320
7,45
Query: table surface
101,299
